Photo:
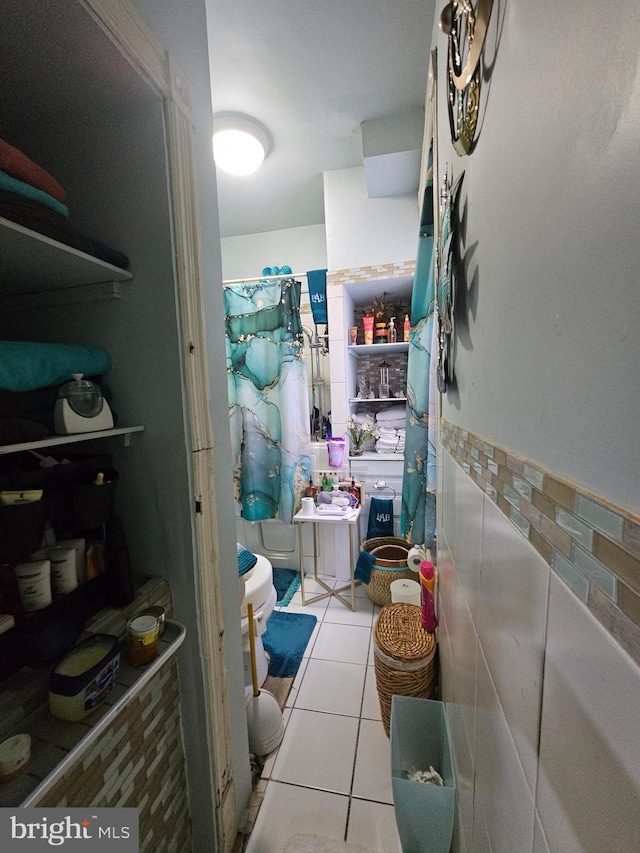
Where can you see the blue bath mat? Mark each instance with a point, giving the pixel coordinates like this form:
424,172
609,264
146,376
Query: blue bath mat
286,582
285,640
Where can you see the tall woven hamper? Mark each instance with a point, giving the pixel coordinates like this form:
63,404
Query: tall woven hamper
404,657
390,553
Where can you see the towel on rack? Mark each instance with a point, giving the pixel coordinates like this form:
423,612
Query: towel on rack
317,282
15,163
364,567
380,518
13,185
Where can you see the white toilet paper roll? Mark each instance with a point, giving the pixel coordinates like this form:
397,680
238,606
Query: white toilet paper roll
414,558
405,592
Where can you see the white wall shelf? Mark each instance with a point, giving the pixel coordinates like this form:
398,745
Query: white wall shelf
54,440
358,350
353,400
33,263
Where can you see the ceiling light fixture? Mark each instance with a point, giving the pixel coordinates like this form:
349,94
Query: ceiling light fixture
240,143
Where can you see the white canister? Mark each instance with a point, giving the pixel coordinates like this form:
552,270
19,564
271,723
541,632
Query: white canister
81,556
63,569
405,592
34,584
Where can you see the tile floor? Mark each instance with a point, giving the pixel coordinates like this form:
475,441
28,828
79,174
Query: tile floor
331,774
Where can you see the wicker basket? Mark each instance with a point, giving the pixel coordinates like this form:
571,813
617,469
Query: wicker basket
391,565
404,657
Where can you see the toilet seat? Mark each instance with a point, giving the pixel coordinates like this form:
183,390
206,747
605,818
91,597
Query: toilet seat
258,585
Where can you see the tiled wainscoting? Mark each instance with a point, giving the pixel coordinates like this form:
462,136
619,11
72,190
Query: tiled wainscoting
593,546
541,688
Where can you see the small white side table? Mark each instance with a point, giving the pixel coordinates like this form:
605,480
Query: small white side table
349,519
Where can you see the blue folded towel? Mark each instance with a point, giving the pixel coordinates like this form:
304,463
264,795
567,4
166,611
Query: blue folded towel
13,185
364,567
246,560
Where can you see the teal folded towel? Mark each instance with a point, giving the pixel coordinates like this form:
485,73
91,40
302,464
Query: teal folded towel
27,365
13,185
246,560
364,567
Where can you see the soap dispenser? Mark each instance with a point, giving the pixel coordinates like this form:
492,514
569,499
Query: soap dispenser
392,330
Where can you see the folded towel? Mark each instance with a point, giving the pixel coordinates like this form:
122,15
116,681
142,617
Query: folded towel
13,185
35,216
18,165
364,567
391,414
27,365
246,560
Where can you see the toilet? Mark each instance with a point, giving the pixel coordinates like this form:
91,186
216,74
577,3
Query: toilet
256,586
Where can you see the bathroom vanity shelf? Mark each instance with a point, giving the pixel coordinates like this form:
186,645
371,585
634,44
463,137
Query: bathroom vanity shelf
54,440
48,757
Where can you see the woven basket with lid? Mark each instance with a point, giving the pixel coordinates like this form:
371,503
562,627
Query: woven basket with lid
404,657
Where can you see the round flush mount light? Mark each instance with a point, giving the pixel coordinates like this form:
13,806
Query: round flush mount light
240,143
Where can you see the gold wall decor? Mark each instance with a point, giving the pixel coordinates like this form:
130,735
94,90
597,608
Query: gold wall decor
466,30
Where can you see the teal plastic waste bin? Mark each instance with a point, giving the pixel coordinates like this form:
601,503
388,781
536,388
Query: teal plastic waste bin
420,740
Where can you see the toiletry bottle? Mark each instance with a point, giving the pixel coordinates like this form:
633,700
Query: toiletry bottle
427,596
407,328
310,491
392,330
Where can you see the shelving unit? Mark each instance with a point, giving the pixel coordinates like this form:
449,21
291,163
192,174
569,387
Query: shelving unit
54,440
358,350
32,263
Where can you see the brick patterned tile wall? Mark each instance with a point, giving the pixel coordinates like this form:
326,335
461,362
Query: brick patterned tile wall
591,544
138,762
382,271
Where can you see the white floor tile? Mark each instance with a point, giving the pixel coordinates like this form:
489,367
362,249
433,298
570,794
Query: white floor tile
338,613
312,640
372,778
373,825
297,681
371,703
318,609
288,810
333,687
317,751
345,643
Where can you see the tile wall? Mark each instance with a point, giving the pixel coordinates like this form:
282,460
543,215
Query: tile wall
541,691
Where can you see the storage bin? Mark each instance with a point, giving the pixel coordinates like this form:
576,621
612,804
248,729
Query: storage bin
390,553
420,739
403,657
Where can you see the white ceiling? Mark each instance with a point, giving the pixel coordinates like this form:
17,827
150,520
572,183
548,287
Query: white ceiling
311,71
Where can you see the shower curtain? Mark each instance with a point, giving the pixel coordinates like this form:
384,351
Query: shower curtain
418,513
268,398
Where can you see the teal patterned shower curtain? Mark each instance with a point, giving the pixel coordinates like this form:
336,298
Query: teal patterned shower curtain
418,513
268,398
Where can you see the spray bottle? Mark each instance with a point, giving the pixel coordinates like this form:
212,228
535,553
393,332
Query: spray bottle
427,596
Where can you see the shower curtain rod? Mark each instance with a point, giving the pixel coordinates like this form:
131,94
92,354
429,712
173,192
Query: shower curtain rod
263,278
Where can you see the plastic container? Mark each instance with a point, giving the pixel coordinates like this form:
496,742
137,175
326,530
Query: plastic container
142,640
367,325
84,678
64,577
420,739
335,447
34,584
